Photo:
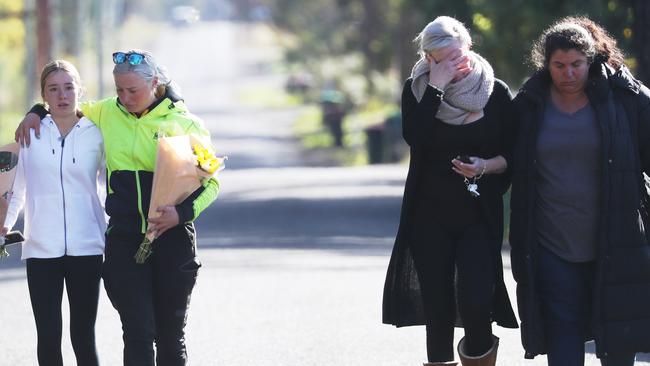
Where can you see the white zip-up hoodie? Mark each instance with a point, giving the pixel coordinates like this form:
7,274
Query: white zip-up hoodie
61,184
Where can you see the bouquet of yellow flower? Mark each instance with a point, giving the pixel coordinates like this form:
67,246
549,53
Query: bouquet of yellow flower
205,159
182,163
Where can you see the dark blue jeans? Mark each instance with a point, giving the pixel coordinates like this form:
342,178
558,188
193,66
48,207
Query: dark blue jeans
152,298
565,291
45,279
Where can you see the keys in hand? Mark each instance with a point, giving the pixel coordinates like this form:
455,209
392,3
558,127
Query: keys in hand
473,189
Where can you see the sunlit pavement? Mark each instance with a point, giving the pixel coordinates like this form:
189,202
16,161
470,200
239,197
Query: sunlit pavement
294,256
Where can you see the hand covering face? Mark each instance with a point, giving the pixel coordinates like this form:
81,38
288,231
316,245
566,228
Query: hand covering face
465,97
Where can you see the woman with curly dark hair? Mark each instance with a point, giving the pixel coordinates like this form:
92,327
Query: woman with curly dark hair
580,254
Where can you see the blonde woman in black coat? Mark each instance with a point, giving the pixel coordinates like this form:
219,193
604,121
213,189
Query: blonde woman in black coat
448,247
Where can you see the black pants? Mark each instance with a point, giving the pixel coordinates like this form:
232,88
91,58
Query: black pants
45,279
454,262
152,298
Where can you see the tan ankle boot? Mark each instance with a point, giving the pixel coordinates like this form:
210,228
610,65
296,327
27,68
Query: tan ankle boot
448,363
489,358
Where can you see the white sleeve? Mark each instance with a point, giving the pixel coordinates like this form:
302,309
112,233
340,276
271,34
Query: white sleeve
18,196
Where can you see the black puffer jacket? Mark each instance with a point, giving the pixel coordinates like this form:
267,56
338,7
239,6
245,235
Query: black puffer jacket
621,299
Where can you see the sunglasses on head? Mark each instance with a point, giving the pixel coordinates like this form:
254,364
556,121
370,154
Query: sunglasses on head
132,58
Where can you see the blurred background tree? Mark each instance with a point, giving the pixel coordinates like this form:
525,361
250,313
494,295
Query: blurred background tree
361,47
12,49
32,32
640,12
364,48
380,32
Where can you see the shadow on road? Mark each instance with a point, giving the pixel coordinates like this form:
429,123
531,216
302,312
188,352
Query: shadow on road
590,347
364,225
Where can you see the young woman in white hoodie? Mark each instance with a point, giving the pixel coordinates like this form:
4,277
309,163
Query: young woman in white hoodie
60,183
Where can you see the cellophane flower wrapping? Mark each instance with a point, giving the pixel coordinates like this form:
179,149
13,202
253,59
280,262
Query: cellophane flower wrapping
177,174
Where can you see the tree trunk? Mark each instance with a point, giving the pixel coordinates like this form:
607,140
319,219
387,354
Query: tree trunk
72,12
641,42
43,34
407,31
99,9
371,26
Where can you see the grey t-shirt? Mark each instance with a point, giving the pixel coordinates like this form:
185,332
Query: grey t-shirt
568,186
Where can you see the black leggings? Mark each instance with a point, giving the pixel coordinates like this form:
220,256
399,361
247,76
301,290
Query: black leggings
460,255
45,278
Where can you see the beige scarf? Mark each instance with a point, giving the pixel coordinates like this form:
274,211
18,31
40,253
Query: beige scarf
463,101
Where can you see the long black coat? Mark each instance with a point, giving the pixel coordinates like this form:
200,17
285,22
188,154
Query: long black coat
621,298
402,305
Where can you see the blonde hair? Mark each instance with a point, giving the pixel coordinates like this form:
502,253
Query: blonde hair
440,33
59,65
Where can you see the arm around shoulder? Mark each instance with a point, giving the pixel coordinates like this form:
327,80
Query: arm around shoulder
31,121
93,109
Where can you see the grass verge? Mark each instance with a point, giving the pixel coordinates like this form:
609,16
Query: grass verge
314,136
8,123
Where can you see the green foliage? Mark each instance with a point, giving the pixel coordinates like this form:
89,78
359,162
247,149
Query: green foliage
269,98
380,31
508,41
12,49
339,32
8,124
310,130
315,137
11,6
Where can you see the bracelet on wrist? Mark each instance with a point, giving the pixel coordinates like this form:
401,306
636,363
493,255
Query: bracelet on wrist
482,170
